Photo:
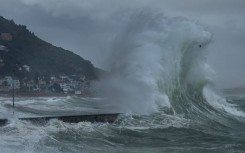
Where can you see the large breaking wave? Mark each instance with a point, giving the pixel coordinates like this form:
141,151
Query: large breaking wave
159,63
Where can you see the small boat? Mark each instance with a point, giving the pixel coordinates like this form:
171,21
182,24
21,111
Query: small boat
110,118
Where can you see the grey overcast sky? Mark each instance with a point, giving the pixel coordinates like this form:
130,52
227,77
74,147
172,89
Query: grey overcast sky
87,27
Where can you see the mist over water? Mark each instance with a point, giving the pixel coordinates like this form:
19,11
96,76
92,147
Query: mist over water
153,56
158,64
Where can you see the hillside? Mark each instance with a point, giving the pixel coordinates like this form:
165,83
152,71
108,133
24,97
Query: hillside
24,48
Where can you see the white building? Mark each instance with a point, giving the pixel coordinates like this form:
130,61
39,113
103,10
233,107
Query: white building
10,82
78,92
27,68
63,77
2,80
3,48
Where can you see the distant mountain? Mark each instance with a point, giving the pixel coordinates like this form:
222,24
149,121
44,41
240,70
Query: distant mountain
24,49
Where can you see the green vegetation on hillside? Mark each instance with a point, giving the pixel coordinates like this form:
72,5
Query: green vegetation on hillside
27,49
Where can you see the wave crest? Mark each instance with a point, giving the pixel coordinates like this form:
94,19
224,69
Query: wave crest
159,62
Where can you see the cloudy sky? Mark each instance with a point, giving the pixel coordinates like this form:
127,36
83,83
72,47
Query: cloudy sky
87,27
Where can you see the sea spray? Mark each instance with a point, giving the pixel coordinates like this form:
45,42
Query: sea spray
152,59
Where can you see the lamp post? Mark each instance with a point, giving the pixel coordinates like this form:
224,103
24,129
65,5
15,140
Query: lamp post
13,90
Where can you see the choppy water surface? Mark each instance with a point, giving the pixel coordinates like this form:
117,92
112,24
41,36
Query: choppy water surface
158,132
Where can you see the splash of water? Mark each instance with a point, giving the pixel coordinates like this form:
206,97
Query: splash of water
160,62
152,56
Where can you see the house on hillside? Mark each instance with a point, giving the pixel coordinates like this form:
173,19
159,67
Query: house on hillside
27,68
3,51
30,85
3,48
12,82
3,85
78,92
6,37
3,81
42,84
64,77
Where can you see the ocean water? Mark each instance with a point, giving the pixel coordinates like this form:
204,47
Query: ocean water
157,132
159,81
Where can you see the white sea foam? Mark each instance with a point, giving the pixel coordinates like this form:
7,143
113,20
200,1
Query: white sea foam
150,55
219,102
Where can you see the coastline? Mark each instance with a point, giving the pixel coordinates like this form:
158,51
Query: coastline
38,94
